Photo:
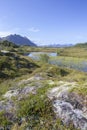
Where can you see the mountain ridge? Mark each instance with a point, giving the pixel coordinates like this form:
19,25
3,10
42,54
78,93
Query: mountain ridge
18,40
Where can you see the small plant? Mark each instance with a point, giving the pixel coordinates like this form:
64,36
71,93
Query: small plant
44,58
4,121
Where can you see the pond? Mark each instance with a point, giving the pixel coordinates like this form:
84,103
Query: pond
68,62
36,55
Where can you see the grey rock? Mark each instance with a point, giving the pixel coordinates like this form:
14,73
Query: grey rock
67,113
69,107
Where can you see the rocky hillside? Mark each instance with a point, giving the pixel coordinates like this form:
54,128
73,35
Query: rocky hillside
40,96
48,99
18,40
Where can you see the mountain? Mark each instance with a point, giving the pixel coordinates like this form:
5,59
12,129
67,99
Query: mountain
18,40
59,45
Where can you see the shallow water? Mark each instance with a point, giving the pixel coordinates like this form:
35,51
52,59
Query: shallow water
80,65
32,54
36,55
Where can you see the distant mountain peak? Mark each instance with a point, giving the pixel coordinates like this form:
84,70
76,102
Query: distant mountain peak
18,40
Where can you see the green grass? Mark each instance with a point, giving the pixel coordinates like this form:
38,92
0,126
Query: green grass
79,52
81,90
68,59
14,65
4,120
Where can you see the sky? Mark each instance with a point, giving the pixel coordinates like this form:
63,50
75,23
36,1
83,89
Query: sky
45,21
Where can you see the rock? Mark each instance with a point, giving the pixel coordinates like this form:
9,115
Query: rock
69,107
68,114
11,93
20,92
7,105
26,91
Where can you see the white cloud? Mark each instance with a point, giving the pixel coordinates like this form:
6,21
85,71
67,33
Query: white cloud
34,29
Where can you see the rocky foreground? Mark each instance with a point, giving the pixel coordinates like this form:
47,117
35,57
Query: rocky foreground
68,106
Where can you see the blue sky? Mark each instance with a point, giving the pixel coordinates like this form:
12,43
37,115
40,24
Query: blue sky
45,21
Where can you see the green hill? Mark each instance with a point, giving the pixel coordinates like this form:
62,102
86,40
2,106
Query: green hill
12,65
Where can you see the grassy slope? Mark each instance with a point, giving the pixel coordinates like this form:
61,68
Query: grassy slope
79,52
13,65
35,107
